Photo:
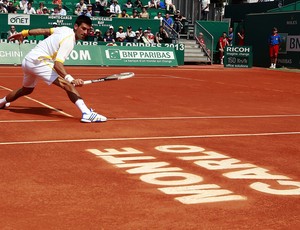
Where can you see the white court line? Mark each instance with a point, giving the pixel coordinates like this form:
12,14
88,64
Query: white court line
149,138
206,117
26,121
41,103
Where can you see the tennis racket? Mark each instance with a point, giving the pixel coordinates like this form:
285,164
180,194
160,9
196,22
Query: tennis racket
119,76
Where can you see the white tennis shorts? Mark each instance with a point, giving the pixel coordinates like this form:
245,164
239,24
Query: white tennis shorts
38,70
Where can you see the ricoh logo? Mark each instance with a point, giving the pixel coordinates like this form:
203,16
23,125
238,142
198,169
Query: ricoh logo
18,19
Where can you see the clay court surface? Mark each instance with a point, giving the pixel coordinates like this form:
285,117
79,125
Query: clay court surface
193,147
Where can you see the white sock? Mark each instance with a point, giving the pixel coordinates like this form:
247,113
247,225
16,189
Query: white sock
81,105
3,101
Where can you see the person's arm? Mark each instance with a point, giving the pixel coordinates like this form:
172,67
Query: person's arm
32,32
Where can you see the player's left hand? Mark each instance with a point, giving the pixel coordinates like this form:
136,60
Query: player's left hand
15,37
78,82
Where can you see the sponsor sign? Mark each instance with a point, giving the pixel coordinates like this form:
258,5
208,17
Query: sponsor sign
293,43
18,19
238,57
13,53
135,56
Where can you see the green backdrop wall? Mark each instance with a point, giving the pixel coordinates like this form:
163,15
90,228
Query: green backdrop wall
258,27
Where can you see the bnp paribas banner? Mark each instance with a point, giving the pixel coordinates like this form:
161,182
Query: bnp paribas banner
137,56
11,53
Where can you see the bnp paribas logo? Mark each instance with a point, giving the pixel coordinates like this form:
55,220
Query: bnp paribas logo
116,54
113,54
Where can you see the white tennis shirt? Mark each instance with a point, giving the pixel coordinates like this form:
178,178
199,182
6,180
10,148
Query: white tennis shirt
56,47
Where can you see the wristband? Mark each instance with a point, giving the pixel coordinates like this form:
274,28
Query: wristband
69,78
25,33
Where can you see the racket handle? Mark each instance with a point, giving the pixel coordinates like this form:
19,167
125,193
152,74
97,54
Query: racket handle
87,82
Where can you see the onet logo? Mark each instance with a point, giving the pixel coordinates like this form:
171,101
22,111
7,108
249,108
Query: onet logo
18,19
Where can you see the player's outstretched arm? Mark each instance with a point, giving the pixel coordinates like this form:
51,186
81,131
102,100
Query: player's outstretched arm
33,32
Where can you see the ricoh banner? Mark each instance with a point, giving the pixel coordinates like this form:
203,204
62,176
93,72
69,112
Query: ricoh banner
13,54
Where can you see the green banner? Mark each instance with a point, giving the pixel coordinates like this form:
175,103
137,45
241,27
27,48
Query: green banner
10,54
238,57
82,55
137,56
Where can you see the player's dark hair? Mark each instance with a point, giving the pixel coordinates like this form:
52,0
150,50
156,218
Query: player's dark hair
83,19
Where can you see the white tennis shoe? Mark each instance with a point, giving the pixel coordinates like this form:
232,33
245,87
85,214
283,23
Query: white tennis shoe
6,105
92,117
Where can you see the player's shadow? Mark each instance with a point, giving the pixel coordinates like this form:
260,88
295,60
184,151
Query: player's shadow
37,111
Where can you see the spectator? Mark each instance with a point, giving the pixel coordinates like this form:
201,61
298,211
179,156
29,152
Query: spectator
90,9
159,17
141,31
85,12
98,35
157,3
120,35
161,36
92,32
108,37
202,44
61,11
78,10
151,36
205,9
223,42
128,4
54,24
274,43
144,14
29,9
55,11
81,4
138,36
11,31
40,9
241,37
112,32
106,13
168,20
152,4
145,38
45,11
169,4
97,8
103,3
178,21
57,2
135,14
138,4
230,36
115,8
23,4
130,34
123,14
11,8
3,10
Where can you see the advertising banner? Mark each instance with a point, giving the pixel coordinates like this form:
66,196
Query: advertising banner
12,53
238,57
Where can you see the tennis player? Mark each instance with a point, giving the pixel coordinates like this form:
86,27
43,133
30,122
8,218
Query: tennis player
46,62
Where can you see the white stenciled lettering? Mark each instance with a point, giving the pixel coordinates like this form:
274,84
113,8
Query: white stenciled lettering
254,173
287,188
171,178
205,193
